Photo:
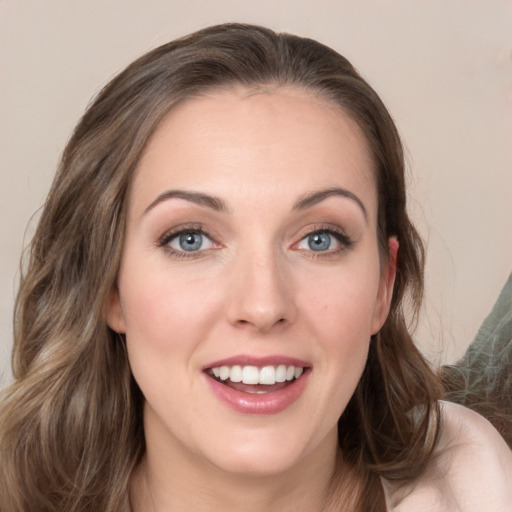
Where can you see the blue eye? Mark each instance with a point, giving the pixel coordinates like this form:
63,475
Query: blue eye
319,241
189,241
325,240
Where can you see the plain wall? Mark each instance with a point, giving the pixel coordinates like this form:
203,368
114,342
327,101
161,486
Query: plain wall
443,67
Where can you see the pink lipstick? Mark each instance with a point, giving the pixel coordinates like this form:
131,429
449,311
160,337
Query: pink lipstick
251,385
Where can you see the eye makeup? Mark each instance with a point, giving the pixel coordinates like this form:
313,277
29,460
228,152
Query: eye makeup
324,241
187,241
192,240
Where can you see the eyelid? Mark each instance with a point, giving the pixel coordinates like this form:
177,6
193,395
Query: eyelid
196,227
176,231
175,241
343,239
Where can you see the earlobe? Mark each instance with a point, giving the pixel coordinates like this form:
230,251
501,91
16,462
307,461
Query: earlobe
386,285
114,312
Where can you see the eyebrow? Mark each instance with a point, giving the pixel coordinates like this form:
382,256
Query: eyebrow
218,205
199,198
314,198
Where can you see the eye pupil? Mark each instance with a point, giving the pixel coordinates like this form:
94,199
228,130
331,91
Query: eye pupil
191,241
319,241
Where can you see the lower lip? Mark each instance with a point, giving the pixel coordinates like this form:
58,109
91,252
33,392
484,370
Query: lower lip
252,403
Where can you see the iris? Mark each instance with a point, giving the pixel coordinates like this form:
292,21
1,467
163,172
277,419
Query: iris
319,241
190,241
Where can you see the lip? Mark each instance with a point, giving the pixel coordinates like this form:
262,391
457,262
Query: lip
272,402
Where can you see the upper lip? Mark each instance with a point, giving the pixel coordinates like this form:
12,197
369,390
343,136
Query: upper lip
260,362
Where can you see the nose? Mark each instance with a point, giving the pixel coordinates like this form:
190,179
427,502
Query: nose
261,294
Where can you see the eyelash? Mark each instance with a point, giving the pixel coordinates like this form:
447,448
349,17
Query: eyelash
338,234
183,230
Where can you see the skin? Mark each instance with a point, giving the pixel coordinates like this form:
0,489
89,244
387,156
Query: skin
255,288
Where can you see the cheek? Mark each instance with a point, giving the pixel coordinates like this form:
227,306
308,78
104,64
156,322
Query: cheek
338,312
341,302
165,322
165,307
166,318
337,315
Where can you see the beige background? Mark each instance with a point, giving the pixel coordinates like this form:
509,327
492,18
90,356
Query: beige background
444,68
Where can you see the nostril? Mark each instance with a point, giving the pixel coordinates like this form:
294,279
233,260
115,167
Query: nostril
263,326
281,322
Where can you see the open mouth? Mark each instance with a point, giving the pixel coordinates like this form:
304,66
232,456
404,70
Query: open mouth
257,380
258,386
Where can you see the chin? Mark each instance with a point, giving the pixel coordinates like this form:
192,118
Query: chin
260,455
262,464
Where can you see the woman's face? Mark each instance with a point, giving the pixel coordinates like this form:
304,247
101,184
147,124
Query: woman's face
250,281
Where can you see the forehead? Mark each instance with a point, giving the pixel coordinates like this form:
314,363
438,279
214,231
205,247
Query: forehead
252,141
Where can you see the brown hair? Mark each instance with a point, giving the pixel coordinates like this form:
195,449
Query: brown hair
71,423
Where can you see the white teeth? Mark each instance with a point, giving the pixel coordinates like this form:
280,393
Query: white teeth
267,375
235,375
224,372
281,373
250,375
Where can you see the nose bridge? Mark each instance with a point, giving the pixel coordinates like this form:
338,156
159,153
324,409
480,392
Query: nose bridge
261,294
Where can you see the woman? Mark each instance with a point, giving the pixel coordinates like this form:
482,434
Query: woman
212,312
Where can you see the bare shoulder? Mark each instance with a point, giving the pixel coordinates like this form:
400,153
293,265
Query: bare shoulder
471,470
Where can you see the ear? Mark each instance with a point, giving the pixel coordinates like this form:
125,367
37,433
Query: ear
114,312
387,282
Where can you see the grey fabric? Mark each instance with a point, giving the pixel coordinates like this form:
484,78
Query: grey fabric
482,378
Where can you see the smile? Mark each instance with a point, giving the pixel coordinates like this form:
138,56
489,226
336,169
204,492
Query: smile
258,386
253,375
